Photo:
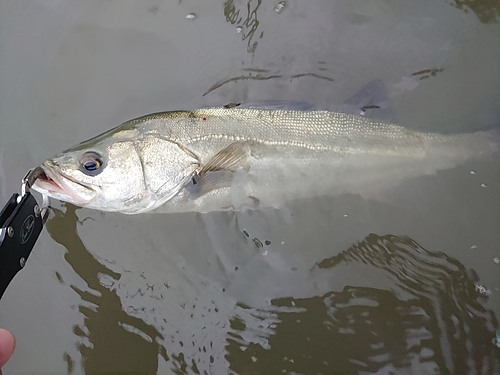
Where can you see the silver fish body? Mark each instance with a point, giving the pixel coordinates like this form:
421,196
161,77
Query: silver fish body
229,158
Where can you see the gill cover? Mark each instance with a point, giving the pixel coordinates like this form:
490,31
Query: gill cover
166,166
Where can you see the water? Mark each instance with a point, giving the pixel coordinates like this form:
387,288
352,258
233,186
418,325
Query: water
405,284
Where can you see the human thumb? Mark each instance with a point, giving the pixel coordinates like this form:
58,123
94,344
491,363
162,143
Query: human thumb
7,344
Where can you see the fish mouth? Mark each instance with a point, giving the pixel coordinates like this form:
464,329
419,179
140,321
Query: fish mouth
54,184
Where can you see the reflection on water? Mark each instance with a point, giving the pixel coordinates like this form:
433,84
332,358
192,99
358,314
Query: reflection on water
442,299
488,11
246,26
263,77
430,319
111,340
426,73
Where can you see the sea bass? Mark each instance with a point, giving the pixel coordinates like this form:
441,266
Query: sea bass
232,157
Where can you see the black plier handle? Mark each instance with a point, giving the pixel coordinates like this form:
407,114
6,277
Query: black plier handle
21,222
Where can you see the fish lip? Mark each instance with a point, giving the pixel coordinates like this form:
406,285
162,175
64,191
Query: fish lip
49,177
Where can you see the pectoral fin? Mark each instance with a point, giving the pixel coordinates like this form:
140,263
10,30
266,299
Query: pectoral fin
231,158
202,184
219,171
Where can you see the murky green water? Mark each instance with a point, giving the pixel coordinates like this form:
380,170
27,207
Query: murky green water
406,285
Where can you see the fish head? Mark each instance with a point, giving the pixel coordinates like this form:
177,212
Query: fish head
128,173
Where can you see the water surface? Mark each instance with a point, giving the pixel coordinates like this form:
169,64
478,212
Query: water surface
406,283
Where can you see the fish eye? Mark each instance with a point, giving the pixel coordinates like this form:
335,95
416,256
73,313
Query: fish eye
91,164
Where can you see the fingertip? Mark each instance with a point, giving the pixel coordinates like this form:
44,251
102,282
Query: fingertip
7,344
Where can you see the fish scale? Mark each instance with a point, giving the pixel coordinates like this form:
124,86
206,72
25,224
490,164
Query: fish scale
227,158
314,130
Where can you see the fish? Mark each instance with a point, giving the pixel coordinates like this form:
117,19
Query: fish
235,157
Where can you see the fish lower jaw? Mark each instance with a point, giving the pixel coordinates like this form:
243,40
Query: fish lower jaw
57,189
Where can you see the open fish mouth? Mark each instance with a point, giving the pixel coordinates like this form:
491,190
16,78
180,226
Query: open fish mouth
58,185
